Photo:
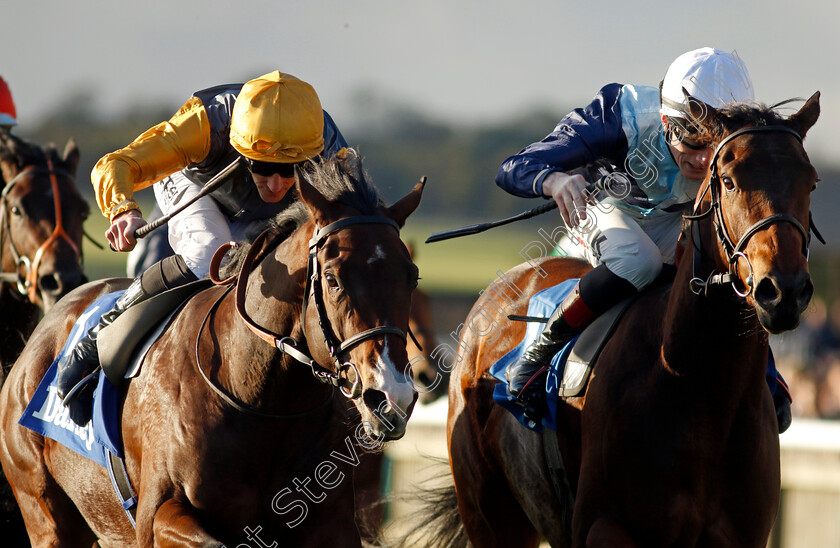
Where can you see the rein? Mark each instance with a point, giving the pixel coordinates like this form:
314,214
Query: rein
734,251
227,398
340,376
26,276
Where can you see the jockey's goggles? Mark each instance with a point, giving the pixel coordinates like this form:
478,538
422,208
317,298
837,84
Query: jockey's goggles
685,132
267,169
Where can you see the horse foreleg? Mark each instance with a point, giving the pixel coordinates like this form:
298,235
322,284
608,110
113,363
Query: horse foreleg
51,517
605,533
175,524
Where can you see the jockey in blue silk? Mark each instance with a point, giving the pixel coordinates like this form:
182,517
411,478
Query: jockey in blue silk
630,234
270,125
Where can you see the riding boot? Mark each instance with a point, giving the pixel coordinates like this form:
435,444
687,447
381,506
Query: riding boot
526,376
76,368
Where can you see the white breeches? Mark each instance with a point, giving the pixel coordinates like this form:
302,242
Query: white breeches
198,231
633,249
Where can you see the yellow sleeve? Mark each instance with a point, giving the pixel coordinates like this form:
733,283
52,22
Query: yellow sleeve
162,150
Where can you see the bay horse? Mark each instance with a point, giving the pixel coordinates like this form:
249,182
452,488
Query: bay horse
430,382
228,440
41,216
675,441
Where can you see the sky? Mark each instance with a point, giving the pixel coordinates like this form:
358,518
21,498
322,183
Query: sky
466,61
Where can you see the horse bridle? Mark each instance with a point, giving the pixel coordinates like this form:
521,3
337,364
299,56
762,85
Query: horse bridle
734,251
340,376
26,275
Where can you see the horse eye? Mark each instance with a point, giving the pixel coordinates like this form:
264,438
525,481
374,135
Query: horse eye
16,211
728,183
331,280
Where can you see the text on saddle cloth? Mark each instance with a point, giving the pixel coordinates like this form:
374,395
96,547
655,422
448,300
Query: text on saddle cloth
47,416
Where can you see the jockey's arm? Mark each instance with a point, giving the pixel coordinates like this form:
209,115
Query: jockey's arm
162,150
571,194
581,137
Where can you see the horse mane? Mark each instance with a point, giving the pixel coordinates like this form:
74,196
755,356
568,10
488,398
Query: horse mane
22,153
747,114
340,179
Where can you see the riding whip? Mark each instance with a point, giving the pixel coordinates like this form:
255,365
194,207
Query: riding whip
211,185
601,168
481,227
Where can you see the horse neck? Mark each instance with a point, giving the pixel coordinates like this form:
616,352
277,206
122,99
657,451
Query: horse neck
257,370
704,335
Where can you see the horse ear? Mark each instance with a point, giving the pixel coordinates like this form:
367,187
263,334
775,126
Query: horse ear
8,167
807,116
407,204
312,199
71,156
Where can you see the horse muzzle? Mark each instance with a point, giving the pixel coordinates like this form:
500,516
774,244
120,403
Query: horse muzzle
384,419
782,298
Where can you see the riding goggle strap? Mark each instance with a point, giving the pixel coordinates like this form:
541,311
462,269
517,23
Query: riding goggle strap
734,251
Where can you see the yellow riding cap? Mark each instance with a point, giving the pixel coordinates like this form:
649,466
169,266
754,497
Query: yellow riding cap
277,118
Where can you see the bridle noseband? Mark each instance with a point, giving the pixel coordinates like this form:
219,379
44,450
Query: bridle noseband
340,376
26,276
735,251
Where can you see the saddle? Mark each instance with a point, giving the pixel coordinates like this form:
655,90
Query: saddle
587,348
129,337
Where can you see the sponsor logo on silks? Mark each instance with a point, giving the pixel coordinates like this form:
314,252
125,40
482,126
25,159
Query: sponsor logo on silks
53,411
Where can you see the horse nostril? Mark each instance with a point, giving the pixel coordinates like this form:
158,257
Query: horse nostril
50,283
374,399
767,293
424,379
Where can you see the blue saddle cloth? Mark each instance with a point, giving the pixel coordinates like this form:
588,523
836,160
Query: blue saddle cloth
47,416
543,305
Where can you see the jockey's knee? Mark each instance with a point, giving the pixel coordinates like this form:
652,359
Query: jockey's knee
640,268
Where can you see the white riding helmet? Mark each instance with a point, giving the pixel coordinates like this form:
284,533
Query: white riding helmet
713,76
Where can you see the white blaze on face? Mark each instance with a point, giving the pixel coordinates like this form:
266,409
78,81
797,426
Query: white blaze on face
378,255
392,383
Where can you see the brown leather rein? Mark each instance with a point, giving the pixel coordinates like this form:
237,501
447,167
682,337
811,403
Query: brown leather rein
26,276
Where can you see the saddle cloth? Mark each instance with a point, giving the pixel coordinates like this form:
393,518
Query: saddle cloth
569,370
47,416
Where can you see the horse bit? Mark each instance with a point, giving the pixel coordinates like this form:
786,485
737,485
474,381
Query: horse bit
340,377
734,251
26,276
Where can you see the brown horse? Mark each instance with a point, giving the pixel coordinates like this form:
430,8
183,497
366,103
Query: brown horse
675,441
227,438
41,215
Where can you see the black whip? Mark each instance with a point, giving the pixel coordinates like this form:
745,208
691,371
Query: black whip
211,185
481,227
